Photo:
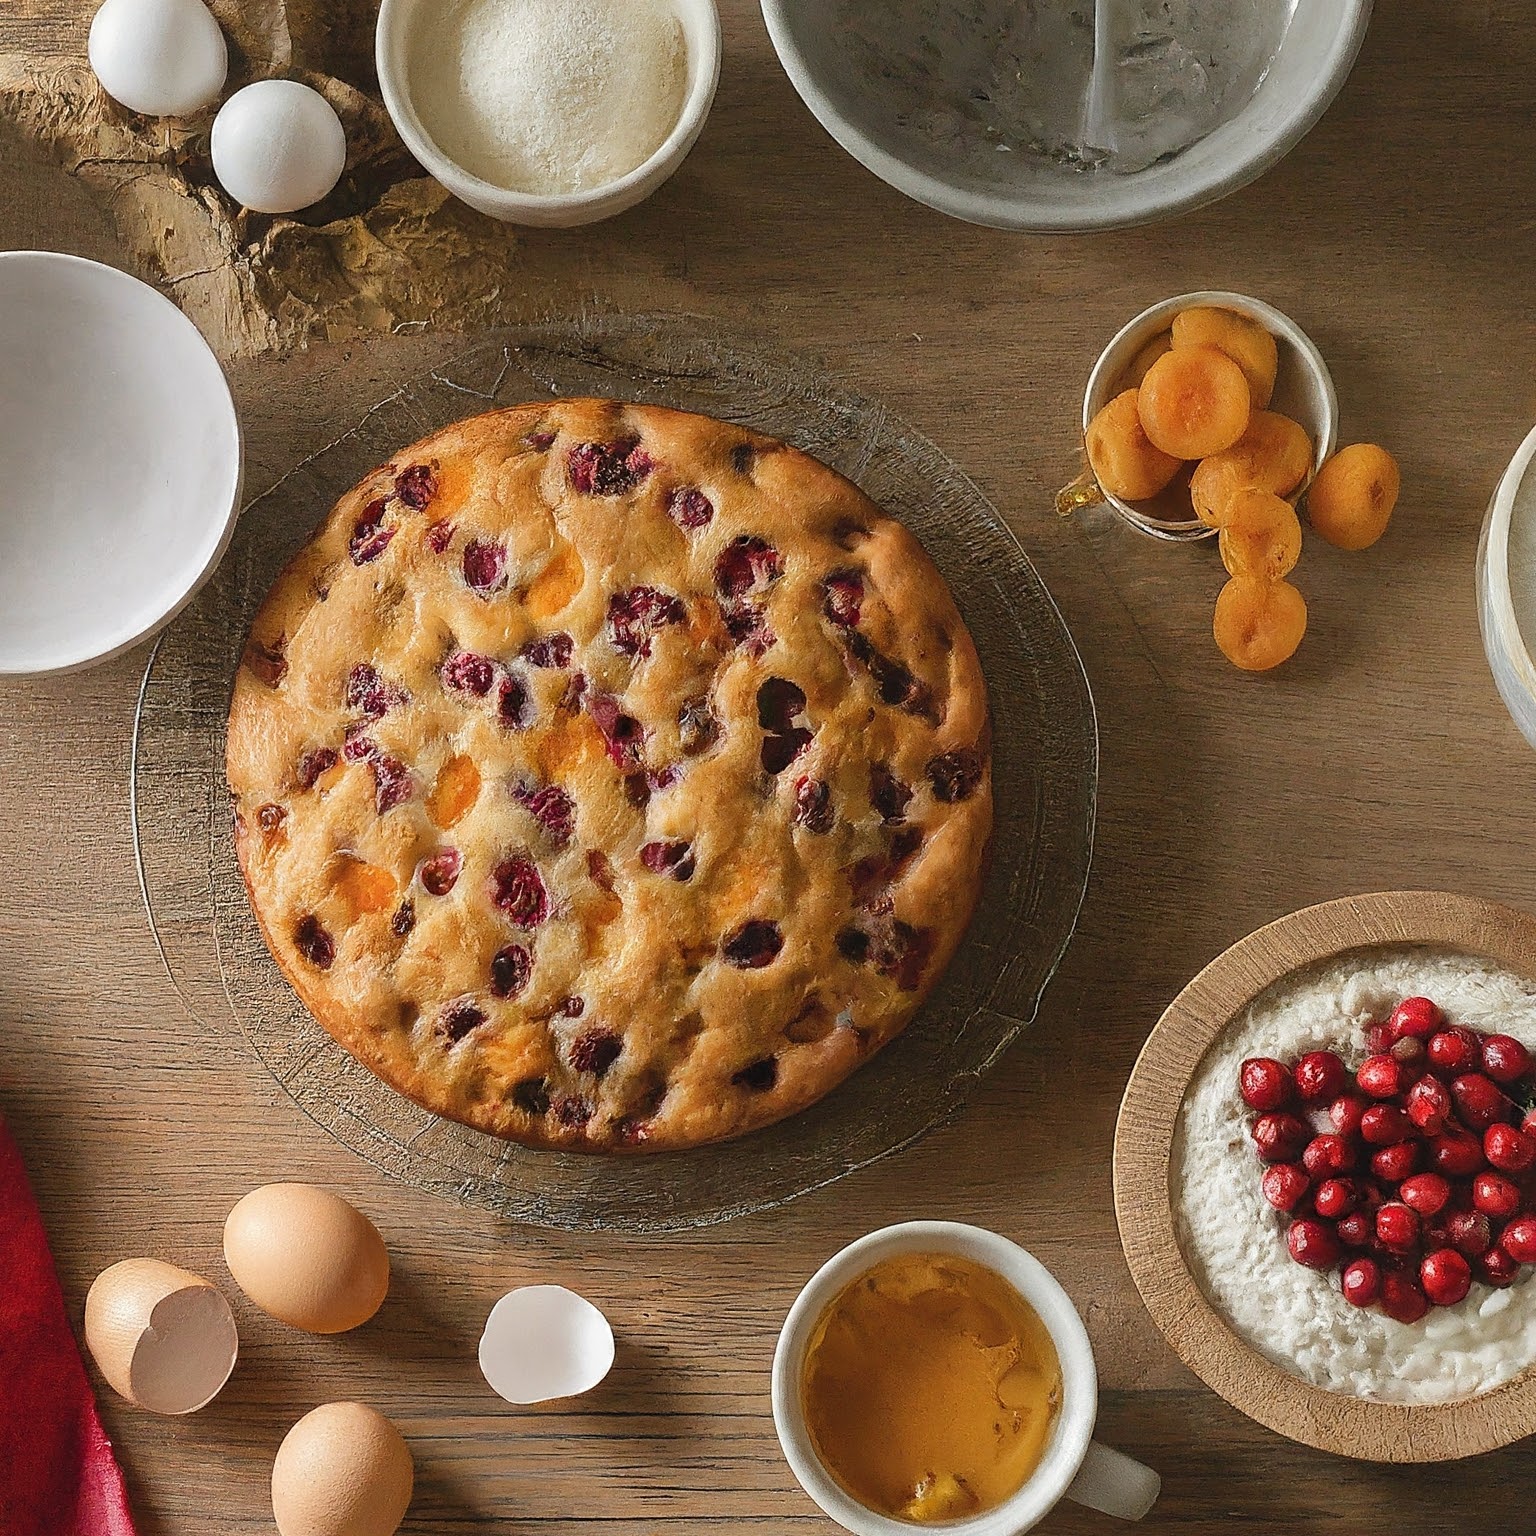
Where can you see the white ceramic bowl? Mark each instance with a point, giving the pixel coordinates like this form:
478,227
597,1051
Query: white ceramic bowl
1303,391
1074,1464
398,20
119,459
1506,560
1022,192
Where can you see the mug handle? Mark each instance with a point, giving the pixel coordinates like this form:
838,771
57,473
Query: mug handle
1112,1483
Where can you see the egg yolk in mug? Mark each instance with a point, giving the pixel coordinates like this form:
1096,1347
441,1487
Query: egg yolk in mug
930,1388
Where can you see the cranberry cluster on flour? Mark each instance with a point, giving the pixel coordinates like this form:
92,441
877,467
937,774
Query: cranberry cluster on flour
610,778
1414,1174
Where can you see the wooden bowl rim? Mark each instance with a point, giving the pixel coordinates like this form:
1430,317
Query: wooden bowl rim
1144,1137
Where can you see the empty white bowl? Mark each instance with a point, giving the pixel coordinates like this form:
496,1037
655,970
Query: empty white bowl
854,99
119,461
398,23
1303,391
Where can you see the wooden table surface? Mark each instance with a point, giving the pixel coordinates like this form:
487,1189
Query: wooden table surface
1400,235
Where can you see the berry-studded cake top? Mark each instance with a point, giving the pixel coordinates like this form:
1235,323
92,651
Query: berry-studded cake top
610,778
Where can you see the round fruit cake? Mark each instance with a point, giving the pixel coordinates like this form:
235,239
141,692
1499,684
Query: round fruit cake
610,778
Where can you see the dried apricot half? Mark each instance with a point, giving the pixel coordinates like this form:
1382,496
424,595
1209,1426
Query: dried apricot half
1140,365
1258,624
1194,402
1261,536
1351,501
1122,459
1274,454
1245,341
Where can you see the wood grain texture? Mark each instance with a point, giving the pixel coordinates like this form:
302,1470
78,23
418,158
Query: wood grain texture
1398,236
1144,1140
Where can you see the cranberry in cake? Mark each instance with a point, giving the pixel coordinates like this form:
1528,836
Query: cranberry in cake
609,778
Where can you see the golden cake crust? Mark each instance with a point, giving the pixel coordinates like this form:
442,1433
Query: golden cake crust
610,778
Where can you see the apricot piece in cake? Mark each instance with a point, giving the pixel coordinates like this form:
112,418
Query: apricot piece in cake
1123,461
1351,501
1194,402
1273,455
1245,341
1259,624
1261,536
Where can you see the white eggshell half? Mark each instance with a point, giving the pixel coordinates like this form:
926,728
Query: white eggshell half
164,1338
165,58
278,146
543,1342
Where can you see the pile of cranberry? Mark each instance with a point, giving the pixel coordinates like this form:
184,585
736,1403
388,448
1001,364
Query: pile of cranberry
1413,1175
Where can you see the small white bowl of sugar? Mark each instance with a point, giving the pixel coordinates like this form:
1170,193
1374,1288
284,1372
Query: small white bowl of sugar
549,112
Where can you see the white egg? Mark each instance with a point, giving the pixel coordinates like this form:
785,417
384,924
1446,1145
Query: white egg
543,1342
165,58
278,146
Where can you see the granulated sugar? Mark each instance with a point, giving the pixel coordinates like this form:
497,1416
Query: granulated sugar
549,96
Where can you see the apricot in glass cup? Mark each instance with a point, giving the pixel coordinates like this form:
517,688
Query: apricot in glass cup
1273,455
1248,343
1261,536
1123,460
1352,499
1194,402
1258,624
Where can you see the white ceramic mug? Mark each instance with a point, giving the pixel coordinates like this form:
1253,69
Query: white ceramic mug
1074,1465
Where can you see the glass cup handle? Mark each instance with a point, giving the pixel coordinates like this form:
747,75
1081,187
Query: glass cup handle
1112,1483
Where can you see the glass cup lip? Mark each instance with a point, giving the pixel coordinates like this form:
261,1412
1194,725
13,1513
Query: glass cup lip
1316,379
1069,1440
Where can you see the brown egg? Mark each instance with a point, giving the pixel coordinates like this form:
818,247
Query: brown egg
306,1257
343,1470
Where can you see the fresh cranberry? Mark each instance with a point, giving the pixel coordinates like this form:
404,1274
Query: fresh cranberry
370,693
608,469
1378,1039
313,764
1455,1050
391,783
314,943
1429,1105
843,598
674,859
551,807
1320,1075
1518,1239
1381,1077
1528,1122
485,565
518,889
955,776
511,969
1395,1163
1345,1113
440,873
1361,1282
813,804
1280,1138
1480,1102
1505,1060
1401,1298
1470,1232
466,672
1415,1018
690,508
1284,1185
1446,1277
1397,1226
369,538
1326,1155
416,486
623,734
745,565
1312,1243
439,536
1507,1149
635,616
595,1051
1495,1195
549,651
753,945
572,1112
1497,1268
1357,1229
1383,1125
359,746
1333,1198
458,1018
1456,1153
1426,1193
1264,1083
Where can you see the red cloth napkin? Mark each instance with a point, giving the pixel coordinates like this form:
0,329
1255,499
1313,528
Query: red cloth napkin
58,1476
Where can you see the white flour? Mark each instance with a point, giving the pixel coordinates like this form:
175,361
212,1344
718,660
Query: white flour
550,96
1235,1243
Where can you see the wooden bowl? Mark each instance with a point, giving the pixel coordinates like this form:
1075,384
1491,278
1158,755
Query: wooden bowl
1144,1137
